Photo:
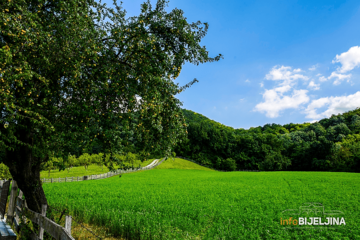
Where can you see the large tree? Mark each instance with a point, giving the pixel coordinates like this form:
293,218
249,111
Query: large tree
68,79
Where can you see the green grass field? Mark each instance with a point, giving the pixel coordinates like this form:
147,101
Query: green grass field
81,171
197,204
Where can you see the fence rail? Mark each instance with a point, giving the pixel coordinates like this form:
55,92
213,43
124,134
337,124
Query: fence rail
153,164
18,212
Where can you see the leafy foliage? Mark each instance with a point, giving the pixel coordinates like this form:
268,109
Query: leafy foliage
328,145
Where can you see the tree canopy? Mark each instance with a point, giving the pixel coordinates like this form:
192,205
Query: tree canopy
69,80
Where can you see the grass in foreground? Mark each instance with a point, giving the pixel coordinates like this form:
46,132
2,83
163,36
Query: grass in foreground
81,171
196,204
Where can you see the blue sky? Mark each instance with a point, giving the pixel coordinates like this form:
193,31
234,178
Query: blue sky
284,61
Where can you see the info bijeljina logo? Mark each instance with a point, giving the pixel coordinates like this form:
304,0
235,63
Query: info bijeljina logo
312,215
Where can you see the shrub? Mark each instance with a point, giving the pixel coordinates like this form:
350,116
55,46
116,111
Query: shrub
4,172
229,164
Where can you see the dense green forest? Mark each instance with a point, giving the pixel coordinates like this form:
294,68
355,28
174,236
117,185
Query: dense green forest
332,144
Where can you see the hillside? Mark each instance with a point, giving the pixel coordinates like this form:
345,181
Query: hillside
178,163
332,144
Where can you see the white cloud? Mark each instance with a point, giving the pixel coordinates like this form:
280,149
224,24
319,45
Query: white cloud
322,79
314,67
247,80
261,85
276,102
283,89
339,77
319,74
349,60
335,105
313,121
285,74
274,99
314,86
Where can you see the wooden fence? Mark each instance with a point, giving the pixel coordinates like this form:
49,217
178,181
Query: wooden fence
102,176
18,210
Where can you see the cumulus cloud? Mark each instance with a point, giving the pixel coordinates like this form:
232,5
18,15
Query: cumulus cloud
247,80
314,86
261,85
275,101
335,105
349,60
285,73
282,89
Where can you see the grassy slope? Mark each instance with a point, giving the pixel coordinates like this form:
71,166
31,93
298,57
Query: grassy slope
178,163
81,171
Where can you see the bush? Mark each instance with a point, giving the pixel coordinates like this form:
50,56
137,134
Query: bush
229,164
4,172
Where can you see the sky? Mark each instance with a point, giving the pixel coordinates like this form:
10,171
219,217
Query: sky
284,61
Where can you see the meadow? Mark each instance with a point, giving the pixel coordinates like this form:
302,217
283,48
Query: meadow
173,203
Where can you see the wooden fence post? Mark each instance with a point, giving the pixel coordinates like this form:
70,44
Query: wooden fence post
68,224
12,203
19,211
65,179
4,198
43,213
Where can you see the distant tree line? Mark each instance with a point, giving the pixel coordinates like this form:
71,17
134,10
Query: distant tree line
332,144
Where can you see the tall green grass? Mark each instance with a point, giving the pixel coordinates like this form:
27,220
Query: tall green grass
197,204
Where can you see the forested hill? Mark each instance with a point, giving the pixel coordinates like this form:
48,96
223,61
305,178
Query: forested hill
332,144
193,117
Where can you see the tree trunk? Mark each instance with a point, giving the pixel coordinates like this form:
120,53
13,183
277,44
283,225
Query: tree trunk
25,170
